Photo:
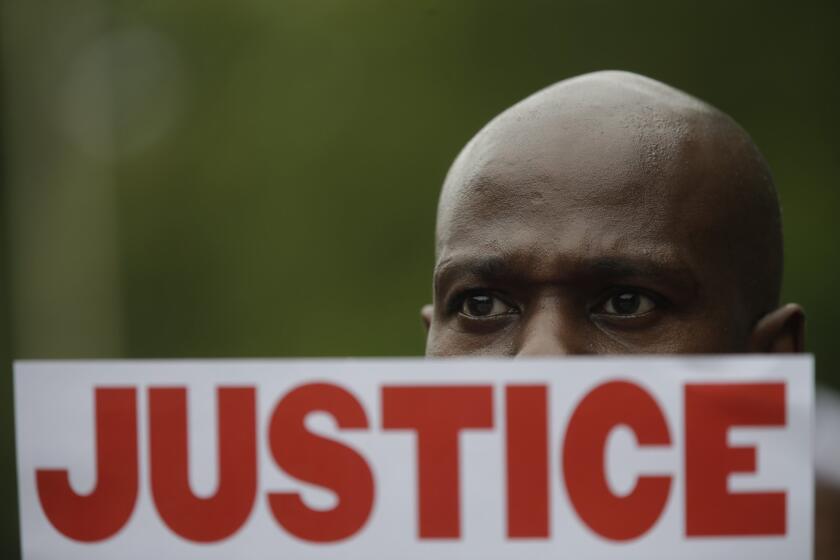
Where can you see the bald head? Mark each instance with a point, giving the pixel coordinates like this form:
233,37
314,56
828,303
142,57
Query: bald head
603,182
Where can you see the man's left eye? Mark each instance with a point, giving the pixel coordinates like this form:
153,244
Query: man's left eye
627,303
482,305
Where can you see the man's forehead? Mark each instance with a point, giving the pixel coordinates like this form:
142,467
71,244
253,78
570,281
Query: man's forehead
551,227
593,213
559,162
549,249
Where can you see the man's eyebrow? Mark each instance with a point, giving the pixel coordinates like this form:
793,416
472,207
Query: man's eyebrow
496,268
483,268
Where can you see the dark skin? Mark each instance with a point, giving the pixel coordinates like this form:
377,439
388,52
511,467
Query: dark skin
609,214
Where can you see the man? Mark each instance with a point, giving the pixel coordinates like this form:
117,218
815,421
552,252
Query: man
609,213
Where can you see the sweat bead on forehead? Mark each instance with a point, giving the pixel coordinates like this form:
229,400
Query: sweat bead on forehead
613,163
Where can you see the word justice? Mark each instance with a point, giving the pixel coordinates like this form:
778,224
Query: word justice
436,414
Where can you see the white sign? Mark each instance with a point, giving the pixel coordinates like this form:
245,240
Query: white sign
623,457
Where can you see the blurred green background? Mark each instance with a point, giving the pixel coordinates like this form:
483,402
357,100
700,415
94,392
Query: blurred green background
259,177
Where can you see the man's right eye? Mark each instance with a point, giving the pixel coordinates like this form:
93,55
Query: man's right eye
484,305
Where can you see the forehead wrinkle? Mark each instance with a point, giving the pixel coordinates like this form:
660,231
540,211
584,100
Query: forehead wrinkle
534,266
614,220
631,166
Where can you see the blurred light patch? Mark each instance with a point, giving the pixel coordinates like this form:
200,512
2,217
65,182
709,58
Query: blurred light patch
122,94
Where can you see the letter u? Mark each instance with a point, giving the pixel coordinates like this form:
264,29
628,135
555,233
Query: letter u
219,516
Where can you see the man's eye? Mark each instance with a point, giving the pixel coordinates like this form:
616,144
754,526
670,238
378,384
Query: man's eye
628,303
484,306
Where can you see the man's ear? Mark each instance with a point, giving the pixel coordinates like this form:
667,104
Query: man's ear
780,331
426,314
